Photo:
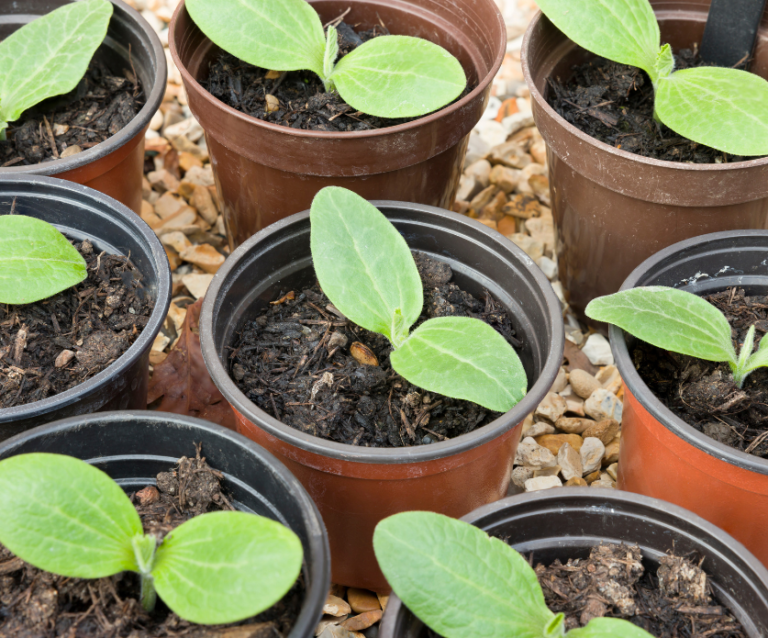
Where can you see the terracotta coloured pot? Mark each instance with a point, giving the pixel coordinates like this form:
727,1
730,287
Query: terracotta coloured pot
266,172
114,167
567,523
133,447
80,212
613,209
661,455
355,487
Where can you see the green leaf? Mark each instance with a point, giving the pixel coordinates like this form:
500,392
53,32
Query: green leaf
759,359
726,109
281,35
36,260
363,264
624,31
665,62
462,358
49,55
225,566
398,76
67,517
668,318
331,51
608,628
458,580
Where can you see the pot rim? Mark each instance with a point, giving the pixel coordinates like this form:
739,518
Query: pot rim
76,192
154,96
643,394
602,147
191,81
353,453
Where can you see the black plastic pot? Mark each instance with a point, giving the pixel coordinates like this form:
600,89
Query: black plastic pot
80,212
567,523
355,487
132,447
115,166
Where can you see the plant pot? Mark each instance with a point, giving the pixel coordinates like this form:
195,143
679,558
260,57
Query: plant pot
132,447
80,213
116,166
567,523
355,487
661,455
613,209
265,172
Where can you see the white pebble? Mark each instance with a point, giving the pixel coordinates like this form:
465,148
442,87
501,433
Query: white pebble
598,350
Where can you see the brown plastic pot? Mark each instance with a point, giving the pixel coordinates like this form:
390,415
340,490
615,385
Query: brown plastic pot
568,523
265,172
661,455
80,212
355,487
613,209
114,167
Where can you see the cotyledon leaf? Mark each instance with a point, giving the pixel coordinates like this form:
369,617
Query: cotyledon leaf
49,55
36,260
608,628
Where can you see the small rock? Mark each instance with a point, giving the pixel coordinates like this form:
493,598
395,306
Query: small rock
613,471
533,248
335,606
148,214
491,132
507,225
509,154
482,199
468,188
174,261
187,160
553,442
598,350
569,461
476,149
481,171
572,425
548,267
612,451
533,455
521,474
576,482
197,284
604,481
537,429
543,231
516,122
182,220
184,146
327,621
542,483
160,343
156,122
602,404
552,407
176,240
163,180
189,128
219,227
168,205
591,478
493,209
148,495
583,383
561,380
538,152
363,621
177,316
71,150
605,430
63,358
547,471
362,600
195,177
592,452
205,256
383,600
523,206
337,631
610,379
504,177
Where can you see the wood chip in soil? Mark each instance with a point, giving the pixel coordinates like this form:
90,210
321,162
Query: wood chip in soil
34,603
55,344
702,393
293,360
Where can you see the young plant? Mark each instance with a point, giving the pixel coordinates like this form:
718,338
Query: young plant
366,269
464,584
69,518
726,109
388,76
682,322
49,56
36,260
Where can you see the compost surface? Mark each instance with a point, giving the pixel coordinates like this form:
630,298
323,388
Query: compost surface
83,329
100,106
34,603
702,393
294,361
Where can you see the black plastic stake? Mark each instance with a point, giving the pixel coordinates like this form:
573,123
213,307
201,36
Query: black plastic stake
729,36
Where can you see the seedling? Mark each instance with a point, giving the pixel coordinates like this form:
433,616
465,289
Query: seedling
464,584
36,260
49,56
682,322
726,109
367,271
69,518
388,76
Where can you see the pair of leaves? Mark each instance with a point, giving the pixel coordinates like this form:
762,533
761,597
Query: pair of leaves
49,55
69,518
366,269
464,584
36,260
388,76
726,109
682,322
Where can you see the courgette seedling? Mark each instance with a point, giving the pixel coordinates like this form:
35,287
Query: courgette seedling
36,260
462,583
49,56
366,269
388,76
681,322
726,109
69,518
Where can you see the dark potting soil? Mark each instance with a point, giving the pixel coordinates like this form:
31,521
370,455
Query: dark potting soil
82,329
702,393
100,106
303,102
677,601
294,362
36,604
614,104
